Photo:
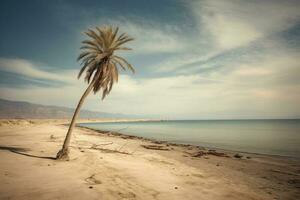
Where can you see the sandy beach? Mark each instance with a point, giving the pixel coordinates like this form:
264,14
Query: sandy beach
106,165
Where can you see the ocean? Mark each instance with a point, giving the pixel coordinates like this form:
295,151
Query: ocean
273,137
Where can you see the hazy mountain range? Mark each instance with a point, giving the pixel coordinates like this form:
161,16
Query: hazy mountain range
21,109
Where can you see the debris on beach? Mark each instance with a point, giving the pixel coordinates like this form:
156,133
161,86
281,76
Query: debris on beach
92,180
95,147
52,137
209,152
128,137
158,142
198,154
220,154
156,147
238,155
191,147
201,148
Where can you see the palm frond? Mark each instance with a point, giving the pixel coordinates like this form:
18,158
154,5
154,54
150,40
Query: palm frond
103,36
83,54
123,48
114,35
129,66
86,65
117,62
89,47
90,42
94,35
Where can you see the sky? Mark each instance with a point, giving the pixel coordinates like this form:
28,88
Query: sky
206,59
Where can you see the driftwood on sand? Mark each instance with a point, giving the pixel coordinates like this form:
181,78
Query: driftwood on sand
156,147
209,152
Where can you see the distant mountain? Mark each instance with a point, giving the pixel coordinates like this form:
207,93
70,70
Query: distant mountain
20,109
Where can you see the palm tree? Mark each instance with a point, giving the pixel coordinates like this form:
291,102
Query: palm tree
100,66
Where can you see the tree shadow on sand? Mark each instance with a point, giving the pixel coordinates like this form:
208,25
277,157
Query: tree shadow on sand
22,151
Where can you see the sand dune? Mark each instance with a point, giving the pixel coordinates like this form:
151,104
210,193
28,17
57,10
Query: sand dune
110,166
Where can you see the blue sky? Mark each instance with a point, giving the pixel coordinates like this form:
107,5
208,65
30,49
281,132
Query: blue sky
204,59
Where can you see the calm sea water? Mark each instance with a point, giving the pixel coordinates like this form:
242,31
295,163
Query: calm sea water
276,137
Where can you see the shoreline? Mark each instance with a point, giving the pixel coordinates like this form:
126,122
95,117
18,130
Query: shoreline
119,134
66,122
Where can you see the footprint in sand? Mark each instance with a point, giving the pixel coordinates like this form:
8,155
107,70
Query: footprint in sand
92,180
127,195
198,175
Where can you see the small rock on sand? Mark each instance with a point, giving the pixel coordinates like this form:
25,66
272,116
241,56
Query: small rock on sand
238,155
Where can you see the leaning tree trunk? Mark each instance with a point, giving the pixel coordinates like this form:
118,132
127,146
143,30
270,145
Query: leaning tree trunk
63,153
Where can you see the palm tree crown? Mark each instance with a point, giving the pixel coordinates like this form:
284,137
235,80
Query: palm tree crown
98,59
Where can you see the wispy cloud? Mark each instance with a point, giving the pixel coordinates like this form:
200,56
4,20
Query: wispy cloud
30,70
224,27
150,37
236,23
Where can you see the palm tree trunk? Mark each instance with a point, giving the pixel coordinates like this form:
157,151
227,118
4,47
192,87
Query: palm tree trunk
63,153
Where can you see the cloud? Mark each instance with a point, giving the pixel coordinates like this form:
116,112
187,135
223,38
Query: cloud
150,37
253,72
183,62
236,23
153,38
230,30
32,71
231,33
